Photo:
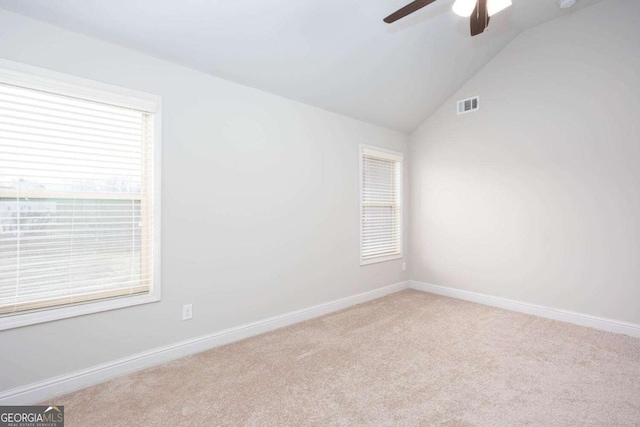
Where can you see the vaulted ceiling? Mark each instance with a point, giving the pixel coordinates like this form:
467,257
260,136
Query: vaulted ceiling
335,54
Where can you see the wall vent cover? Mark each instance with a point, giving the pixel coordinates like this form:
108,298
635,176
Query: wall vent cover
469,105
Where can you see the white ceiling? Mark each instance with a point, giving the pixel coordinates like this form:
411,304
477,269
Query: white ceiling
334,54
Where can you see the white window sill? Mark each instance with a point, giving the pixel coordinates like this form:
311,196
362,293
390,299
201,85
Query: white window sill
48,315
380,259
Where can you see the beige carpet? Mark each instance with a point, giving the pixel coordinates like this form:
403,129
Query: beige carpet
408,359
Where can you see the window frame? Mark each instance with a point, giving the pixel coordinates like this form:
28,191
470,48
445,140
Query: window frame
400,156
42,79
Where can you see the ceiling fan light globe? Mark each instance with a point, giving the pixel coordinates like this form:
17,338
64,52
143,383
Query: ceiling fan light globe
464,8
495,6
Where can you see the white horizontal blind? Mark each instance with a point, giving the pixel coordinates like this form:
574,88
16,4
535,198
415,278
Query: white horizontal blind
381,216
75,200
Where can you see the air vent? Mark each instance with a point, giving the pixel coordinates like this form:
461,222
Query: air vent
469,105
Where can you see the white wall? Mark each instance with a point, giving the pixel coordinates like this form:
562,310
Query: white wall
260,207
536,197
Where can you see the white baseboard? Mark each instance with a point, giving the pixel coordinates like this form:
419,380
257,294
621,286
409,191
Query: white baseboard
44,390
536,310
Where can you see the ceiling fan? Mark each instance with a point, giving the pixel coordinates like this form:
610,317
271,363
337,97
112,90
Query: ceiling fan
479,11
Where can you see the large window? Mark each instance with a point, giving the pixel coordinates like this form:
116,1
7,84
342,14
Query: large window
380,205
78,193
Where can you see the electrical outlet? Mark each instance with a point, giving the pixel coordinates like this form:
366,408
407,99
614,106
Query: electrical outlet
404,266
187,311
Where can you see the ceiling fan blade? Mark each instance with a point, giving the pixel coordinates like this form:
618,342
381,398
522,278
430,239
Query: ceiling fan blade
407,10
479,18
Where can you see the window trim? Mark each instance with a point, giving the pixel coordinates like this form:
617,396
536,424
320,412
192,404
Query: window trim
42,79
400,158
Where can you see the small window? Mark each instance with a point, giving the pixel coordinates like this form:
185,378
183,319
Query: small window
380,205
78,196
